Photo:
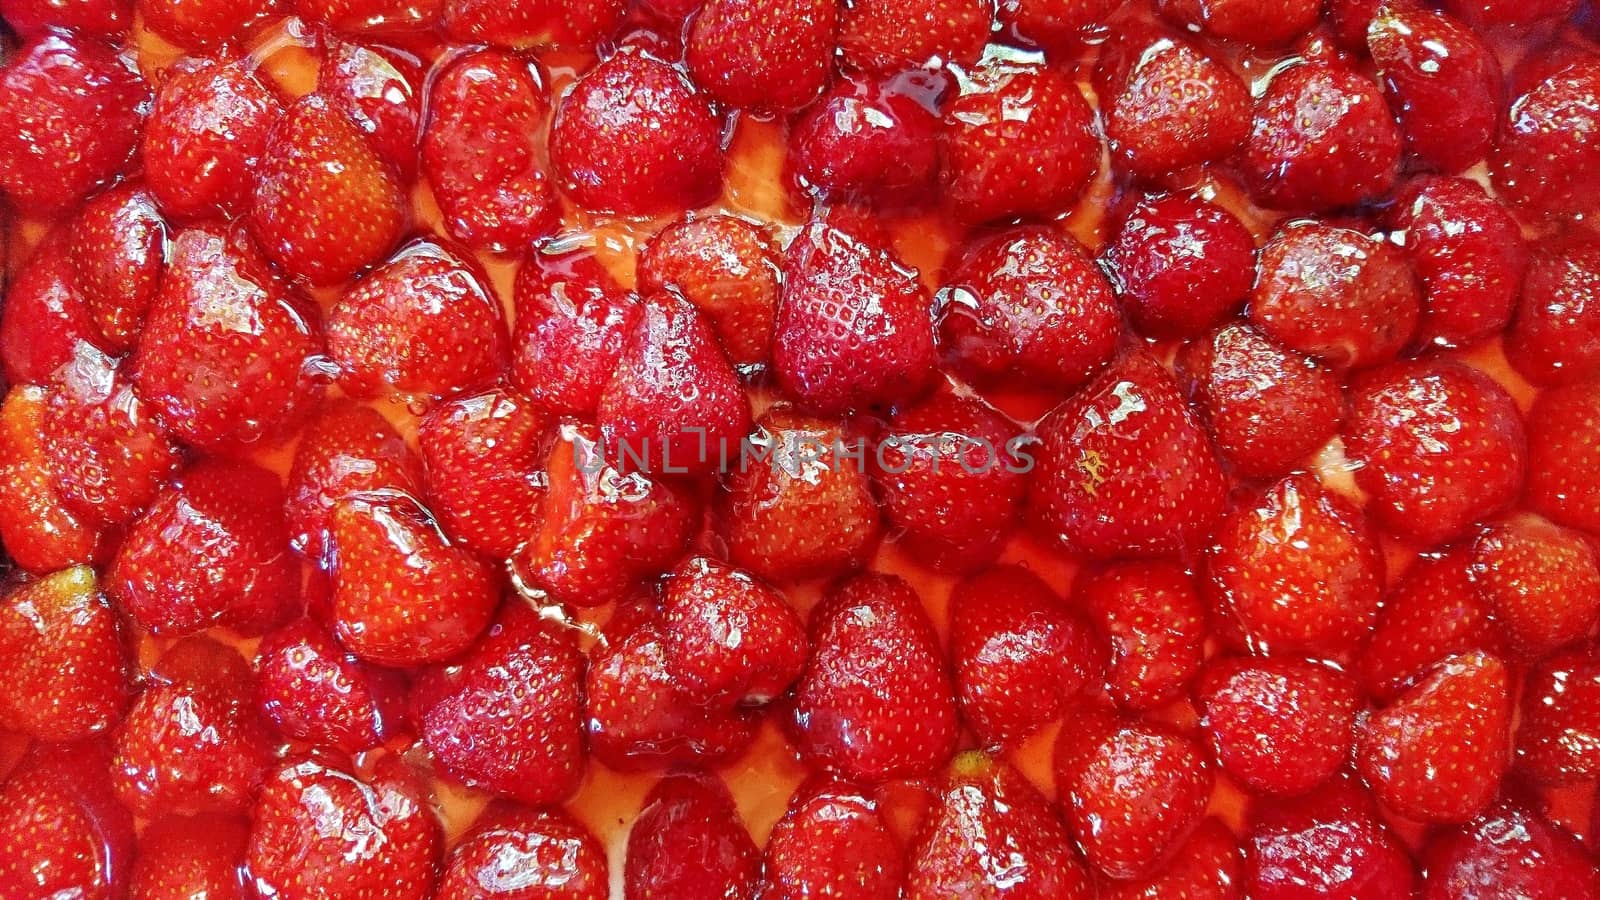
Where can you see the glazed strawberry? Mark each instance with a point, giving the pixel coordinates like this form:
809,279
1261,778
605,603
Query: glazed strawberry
75,109
832,842
402,594
1544,160
69,665
386,843
1020,655
1207,867
765,55
1322,137
1249,21
870,138
98,18
64,833
1124,468
689,842
424,323
876,700
1555,337
727,637
1335,293
1279,726
1439,445
1057,24
1437,752
1328,844
374,16
1434,611
1182,264
118,251
522,854
45,316
887,36
1562,455
1132,792
1155,623
1018,141
39,532
207,134
987,811
635,137
485,455
190,856
211,549
728,268
1542,582
1508,851
223,357
799,504
854,324
1348,21
571,320
531,22
1443,82
1502,13
1027,304
1558,739
480,150
345,450
313,690
207,24
377,88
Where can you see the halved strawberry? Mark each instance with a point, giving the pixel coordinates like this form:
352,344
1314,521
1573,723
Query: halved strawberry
689,842
64,833
1183,264
315,691
378,89
190,856
45,316
345,450
833,841
1555,337
729,638
206,136
572,318
1563,454
1248,21
485,455
887,36
1508,851
119,247
1330,843
40,533
525,23
870,138
1544,162
765,55
71,668
207,24
1279,726
512,853
1443,81
1153,618
728,268
1542,582
1558,738
1208,866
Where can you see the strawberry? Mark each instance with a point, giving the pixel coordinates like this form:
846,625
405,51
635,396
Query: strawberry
1328,844
887,36
832,841
312,690
422,323
1207,867
522,23
118,251
987,811
207,24
870,138
1064,25
635,137
1124,468
1027,304
1298,568
1020,656
1508,851
854,324
1434,611
1555,337
1279,726
1558,739
1132,792
325,204
765,55
207,134
345,450
485,455
799,502
377,88
1503,13
1563,454
1439,446
876,700
372,16
1335,293
402,594
190,856
1018,141
690,843
45,316
480,150
1437,752
522,854
69,665
74,109
1182,264
571,320
64,833
223,357
37,529
95,18
386,842
1542,582
1248,21
727,637
1152,617
1349,20
1443,82
1544,162
1322,137
727,267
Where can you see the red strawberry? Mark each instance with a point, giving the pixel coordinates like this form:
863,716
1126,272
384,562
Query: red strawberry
572,318
689,843
1503,13
45,316
74,109
635,137
38,530
1436,753
97,18
832,842
727,637
765,55
523,23
480,150
1328,844
1348,22
314,691
1555,337
1542,581
374,16
206,136
1558,740
799,502
377,89
69,665
887,36
1433,612
870,138
854,324
1027,304
1544,162
1443,82
402,594
876,699
1182,264
1020,655
64,833
1279,726
1124,468
522,854
206,24
190,856
1564,454
119,246
485,455
325,205
423,323
1066,25
1152,616
1438,447
385,843
1322,137
727,267
1018,141
1132,793
223,357
346,450
1207,867
1508,851
987,812
1248,21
